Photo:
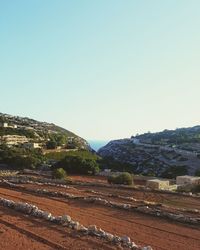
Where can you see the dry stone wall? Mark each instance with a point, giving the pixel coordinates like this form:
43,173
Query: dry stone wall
148,207
67,221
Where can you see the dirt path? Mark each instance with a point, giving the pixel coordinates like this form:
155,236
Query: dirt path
142,229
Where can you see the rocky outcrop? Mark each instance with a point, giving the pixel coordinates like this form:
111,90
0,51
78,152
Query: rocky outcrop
148,158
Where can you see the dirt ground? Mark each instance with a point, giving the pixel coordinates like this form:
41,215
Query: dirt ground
143,229
85,178
19,232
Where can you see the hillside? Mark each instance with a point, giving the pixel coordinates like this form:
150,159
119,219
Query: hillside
165,153
23,131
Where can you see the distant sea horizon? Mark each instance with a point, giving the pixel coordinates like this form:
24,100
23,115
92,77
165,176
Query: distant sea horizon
97,144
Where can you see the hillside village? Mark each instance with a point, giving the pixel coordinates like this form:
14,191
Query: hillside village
49,179
29,133
148,154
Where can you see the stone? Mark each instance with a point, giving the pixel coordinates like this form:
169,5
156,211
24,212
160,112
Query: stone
92,228
126,240
116,239
46,215
126,206
66,219
82,229
101,232
109,237
76,225
147,248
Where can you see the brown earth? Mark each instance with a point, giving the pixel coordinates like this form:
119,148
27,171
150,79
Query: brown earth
90,179
143,229
168,199
175,200
19,232
77,191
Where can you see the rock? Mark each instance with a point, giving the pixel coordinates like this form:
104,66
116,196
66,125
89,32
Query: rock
92,228
133,245
76,225
66,219
58,219
126,206
126,240
116,239
109,237
82,229
101,232
147,248
46,215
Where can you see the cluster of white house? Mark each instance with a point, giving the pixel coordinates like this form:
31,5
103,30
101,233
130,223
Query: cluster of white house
16,140
180,181
6,125
158,183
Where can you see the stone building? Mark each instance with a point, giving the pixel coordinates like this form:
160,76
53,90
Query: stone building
158,184
187,179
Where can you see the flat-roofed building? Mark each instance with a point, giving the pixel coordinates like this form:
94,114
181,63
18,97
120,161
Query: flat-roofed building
32,145
4,124
158,184
12,140
187,179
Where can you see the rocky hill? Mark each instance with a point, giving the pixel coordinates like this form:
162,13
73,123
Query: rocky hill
22,131
165,153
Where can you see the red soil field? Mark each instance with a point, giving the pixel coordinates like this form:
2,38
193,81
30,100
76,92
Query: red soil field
18,231
90,179
143,229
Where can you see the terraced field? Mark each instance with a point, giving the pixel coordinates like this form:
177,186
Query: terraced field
31,233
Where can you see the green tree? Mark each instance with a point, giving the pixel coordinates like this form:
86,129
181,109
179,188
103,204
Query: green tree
51,144
74,164
124,178
59,173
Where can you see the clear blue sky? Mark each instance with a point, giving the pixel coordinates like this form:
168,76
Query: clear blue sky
103,69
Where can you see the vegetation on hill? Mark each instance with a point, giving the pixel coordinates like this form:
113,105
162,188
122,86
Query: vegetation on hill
79,162
49,134
18,158
117,165
178,136
14,131
168,153
173,171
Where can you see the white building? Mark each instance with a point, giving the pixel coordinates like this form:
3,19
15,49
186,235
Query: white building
4,124
187,179
158,184
12,140
32,145
135,140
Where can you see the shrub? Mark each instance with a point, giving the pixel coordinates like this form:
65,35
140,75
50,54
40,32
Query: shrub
124,178
59,173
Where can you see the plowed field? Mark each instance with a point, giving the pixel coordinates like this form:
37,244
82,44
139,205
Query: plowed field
22,232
